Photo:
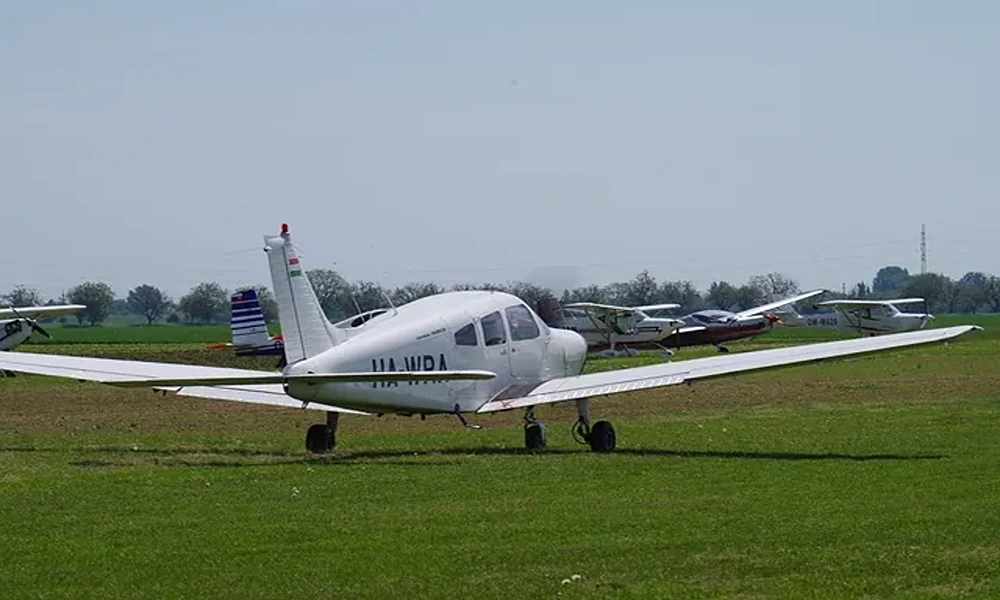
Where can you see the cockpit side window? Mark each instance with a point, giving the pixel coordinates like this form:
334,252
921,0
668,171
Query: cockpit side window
466,336
522,324
493,331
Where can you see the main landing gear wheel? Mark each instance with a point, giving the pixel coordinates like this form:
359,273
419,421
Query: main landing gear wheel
534,436
602,437
534,431
322,437
319,438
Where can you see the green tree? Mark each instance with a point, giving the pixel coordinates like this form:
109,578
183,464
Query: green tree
992,293
971,291
149,301
889,281
587,293
722,295
642,289
932,287
21,296
98,298
205,303
414,291
332,292
683,293
774,286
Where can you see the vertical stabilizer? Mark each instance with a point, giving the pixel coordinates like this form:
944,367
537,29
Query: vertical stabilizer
247,319
305,328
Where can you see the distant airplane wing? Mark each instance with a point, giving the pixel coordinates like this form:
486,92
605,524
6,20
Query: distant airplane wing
655,307
778,304
673,373
111,371
847,302
598,308
40,312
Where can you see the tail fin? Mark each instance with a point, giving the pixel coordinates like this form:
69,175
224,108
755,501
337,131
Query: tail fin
305,328
247,319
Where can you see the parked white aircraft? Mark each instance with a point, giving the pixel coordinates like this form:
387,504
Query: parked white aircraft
620,330
456,353
865,317
16,331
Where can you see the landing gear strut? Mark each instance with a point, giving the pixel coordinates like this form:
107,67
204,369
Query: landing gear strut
534,431
600,436
722,348
322,437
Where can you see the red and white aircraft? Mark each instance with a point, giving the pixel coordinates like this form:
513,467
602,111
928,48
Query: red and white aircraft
458,353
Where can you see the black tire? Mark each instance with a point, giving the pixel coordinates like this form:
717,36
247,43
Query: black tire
534,436
319,439
602,437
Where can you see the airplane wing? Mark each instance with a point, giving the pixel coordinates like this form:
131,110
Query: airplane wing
598,308
847,302
673,373
40,312
778,304
655,307
241,385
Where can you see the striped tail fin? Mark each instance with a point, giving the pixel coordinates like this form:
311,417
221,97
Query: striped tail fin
247,319
305,328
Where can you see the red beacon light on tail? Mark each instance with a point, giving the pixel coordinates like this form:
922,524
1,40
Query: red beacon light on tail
284,229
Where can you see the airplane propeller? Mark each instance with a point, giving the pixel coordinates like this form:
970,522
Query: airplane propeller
31,323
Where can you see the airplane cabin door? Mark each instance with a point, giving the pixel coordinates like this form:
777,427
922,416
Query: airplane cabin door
527,347
496,350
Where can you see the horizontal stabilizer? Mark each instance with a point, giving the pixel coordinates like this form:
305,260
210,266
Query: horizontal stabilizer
278,378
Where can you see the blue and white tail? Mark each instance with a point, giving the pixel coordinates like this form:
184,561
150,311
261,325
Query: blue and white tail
247,319
305,328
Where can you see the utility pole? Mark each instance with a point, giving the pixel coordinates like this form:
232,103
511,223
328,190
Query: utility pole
923,249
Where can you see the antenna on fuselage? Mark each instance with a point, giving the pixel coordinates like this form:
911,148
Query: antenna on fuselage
388,299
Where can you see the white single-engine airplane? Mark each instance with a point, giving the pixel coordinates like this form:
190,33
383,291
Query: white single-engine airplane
456,353
16,331
604,326
865,317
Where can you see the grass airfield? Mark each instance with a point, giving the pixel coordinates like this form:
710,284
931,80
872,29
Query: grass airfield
875,476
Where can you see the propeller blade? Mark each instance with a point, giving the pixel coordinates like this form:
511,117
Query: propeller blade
36,327
31,323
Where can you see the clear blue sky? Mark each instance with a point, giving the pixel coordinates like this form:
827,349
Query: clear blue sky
156,141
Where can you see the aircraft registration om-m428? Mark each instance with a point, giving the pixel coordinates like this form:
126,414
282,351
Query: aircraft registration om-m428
865,317
456,353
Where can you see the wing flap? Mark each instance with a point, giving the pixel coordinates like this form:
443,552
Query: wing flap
673,373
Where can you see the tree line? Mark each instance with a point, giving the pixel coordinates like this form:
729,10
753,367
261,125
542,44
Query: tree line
209,302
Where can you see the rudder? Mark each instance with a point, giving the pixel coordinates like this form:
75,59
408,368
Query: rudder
305,328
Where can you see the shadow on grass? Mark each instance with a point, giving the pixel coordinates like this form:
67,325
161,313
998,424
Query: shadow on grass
208,456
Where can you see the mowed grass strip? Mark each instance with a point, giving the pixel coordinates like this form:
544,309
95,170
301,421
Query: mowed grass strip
874,476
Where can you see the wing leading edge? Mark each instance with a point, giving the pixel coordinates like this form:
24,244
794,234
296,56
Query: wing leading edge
662,375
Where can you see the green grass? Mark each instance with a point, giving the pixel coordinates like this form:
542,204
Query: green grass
870,477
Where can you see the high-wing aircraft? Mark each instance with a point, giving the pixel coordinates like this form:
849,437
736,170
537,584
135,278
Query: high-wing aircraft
458,353
619,330
717,327
15,331
865,317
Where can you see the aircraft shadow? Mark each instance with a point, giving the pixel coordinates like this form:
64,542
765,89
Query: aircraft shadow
242,457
